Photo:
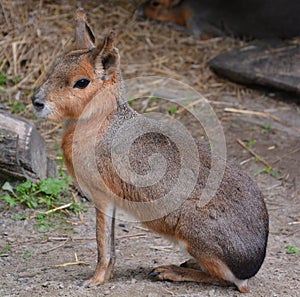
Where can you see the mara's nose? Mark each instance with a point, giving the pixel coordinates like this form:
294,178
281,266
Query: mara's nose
38,103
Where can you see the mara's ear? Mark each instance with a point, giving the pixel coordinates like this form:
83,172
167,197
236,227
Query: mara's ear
107,59
85,38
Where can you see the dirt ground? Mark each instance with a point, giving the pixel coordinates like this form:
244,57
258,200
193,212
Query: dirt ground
151,51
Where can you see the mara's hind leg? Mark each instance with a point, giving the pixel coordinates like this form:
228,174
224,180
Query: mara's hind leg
178,273
215,271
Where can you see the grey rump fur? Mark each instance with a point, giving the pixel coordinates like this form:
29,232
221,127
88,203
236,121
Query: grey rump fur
233,225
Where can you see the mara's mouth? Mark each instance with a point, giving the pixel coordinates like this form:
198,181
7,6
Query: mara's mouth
44,111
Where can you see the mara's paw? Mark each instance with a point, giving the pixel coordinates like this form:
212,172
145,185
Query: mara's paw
244,289
96,280
170,273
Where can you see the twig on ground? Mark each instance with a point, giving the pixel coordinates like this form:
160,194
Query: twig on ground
77,262
259,158
261,114
52,210
163,248
141,228
56,247
132,235
58,126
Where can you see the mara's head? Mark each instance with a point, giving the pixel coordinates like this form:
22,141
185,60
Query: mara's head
79,75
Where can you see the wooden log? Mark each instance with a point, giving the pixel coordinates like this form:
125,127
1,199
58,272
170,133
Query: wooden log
274,64
22,151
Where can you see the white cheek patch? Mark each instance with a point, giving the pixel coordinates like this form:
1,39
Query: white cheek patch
46,112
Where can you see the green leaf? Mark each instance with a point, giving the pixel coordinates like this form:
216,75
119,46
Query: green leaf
172,109
43,224
267,169
16,79
52,186
275,173
266,128
3,79
250,143
292,250
18,107
28,254
131,101
11,201
31,202
25,187
19,217
6,249
153,99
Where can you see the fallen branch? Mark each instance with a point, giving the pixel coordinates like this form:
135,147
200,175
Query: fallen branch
261,114
141,228
259,158
163,248
55,248
77,262
132,235
51,210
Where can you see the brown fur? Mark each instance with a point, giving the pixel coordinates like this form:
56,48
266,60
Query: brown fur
168,11
227,237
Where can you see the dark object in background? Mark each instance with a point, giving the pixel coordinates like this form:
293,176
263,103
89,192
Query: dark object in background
273,65
239,18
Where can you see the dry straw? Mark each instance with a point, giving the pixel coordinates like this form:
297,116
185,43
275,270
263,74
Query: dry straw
34,33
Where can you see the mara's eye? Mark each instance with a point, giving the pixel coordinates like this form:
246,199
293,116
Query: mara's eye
81,84
155,3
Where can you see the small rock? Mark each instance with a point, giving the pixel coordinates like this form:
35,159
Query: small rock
133,281
45,285
24,281
60,286
106,292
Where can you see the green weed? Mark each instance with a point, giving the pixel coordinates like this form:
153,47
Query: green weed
266,128
269,170
17,107
3,79
250,143
172,109
47,194
27,254
291,249
131,102
16,79
153,99
6,249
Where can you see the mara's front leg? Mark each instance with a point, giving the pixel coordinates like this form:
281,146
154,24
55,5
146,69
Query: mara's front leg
105,236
